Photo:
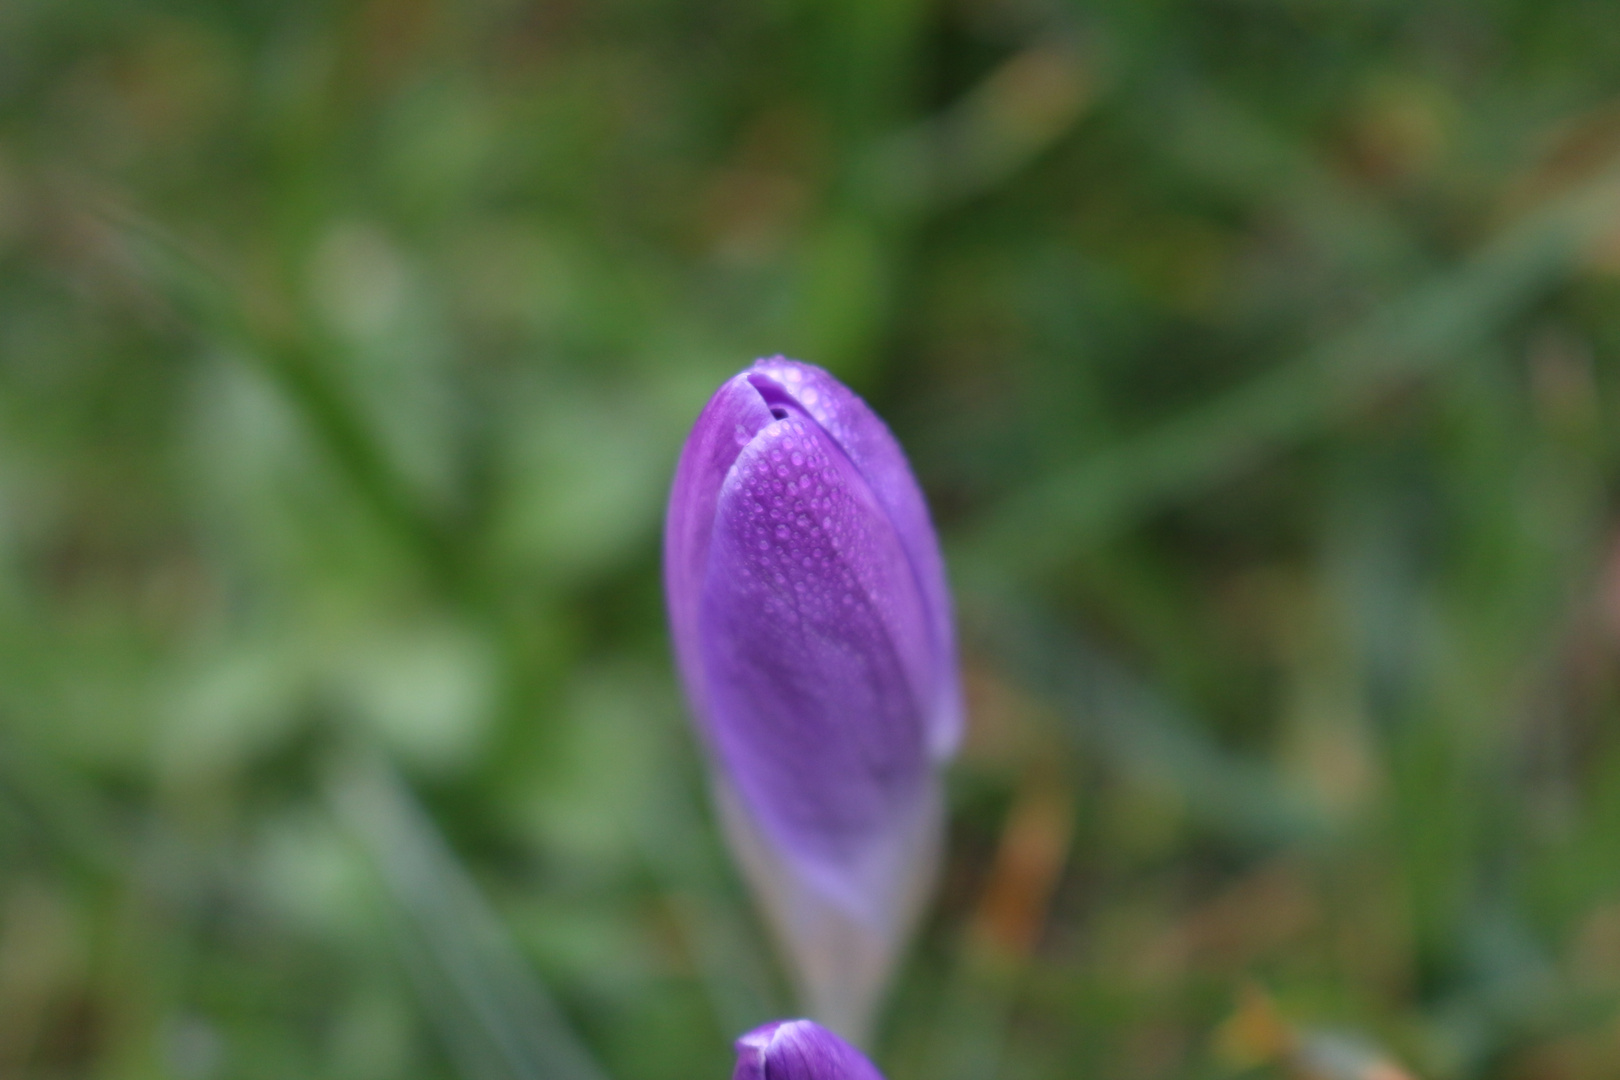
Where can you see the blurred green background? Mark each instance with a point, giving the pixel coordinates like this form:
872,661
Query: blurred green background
1258,358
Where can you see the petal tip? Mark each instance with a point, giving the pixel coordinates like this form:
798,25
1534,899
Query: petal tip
799,1050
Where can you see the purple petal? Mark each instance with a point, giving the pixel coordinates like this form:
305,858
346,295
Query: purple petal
813,639
872,447
728,423
799,1050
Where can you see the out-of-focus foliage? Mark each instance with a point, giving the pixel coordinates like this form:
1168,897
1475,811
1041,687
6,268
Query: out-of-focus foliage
1259,357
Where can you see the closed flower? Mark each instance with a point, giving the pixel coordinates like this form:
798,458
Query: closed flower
812,628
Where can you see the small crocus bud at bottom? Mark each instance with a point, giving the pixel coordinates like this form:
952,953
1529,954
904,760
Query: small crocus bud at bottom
799,1050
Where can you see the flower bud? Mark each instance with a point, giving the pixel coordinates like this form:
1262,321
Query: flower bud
812,628
799,1050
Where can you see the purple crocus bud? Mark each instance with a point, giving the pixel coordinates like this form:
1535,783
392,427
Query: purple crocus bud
799,1050
812,628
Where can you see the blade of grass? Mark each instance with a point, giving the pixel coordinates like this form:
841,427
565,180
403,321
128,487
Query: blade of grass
1035,529
1108,710
1207,136
54,809
992,133
218,313
495,1015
